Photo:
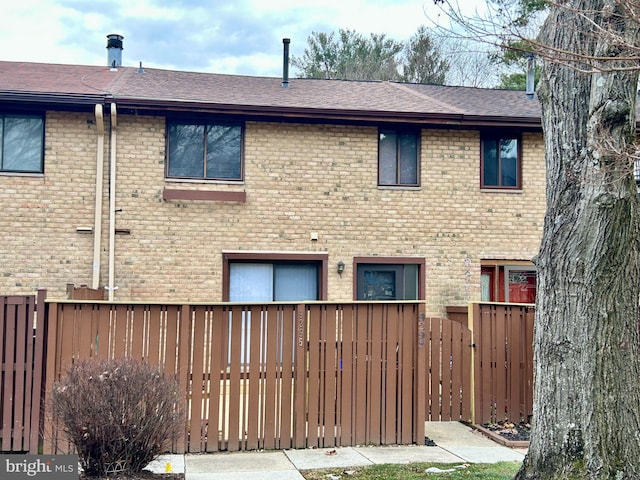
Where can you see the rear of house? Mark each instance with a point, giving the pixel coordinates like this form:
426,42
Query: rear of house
179,186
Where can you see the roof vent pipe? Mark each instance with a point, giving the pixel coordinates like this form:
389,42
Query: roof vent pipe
285,62
531,68
114,50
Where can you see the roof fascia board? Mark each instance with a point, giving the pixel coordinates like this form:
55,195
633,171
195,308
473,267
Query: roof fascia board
50,98
326,114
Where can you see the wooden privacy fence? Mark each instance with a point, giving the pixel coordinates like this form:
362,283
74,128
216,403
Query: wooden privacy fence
21,380
503,336
279,376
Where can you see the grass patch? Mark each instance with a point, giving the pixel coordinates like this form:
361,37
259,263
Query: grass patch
415,471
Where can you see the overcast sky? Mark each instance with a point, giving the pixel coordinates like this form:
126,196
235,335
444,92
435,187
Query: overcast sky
221,36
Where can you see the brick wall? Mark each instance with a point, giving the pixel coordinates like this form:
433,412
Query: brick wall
299,179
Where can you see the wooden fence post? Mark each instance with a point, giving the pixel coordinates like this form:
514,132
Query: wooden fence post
184,369
37,404
472,391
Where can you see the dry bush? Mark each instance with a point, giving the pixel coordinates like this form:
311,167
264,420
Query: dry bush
118,414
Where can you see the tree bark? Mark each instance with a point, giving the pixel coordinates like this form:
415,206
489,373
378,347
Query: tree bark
586,421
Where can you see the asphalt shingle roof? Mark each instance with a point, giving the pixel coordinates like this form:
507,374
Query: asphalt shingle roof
155,88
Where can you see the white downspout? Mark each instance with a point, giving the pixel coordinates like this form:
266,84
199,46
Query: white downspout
112,203
97,224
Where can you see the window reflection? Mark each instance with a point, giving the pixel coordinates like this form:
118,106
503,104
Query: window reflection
21,143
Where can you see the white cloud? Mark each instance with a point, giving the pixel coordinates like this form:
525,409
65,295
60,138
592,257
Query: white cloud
241,37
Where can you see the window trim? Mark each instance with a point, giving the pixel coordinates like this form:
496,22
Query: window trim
23,114
275,257
204,122
501,136
420,261
417,132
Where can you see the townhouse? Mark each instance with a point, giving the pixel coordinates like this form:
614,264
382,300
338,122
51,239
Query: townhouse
183,186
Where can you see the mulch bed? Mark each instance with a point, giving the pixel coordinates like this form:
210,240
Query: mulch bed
507,433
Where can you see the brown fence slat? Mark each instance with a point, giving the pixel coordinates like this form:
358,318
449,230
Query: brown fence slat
198,342
218,354
23,335
315,376
233,442
8,367
421,372
287,319
300,382
255,419
503,317
346,412
331,376
435,396
515,353
4,397
39,361
456,371
466,366
360,372
528,363
405,382
375,393
389,396
271,388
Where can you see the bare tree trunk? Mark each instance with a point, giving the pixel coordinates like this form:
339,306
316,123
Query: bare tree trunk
586,351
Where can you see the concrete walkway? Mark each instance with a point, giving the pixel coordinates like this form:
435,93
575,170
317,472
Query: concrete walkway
456,443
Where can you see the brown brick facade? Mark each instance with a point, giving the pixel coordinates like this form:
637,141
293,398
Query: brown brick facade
299,180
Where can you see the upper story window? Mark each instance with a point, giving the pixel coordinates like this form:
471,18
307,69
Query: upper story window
501,164
21,143
398,154
203,150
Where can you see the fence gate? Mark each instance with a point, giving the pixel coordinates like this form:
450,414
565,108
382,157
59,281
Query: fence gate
22,354
503,336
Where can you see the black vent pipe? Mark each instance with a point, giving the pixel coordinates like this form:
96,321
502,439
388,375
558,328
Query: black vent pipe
285,62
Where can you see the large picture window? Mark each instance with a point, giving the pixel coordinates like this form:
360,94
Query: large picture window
21,143
254,277
500,162
398,153
204,150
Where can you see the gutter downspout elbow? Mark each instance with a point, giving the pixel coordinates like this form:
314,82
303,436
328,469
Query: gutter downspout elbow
97,224
112,202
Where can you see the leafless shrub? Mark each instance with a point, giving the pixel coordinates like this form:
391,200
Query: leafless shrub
118,414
